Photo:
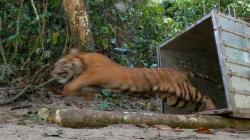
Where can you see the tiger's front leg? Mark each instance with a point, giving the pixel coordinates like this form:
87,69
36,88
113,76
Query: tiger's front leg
86,80
70,90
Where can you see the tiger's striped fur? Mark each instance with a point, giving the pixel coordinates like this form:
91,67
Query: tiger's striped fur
96,70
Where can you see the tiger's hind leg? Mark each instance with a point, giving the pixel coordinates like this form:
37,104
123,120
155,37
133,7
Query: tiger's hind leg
206,104
169,99
196,96
163,106
209,103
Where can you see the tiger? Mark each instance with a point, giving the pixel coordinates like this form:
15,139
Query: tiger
79,70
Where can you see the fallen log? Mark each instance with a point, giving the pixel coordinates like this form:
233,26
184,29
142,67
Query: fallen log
79,118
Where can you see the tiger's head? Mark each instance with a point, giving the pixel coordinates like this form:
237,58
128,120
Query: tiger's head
66,68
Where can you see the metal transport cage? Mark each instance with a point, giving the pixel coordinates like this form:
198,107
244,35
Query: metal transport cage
217,45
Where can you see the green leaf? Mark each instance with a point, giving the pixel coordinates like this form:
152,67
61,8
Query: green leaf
105,43
55,36
105,105
47,54
107,93
104,30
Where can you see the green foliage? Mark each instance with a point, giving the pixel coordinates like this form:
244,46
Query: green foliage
129,32
182,13
107,93
105,105
28,43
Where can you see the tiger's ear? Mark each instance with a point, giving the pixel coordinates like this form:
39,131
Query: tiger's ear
73,52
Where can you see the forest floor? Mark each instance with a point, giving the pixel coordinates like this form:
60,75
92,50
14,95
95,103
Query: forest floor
19,121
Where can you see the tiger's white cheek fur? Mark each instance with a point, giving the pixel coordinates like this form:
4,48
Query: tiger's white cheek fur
62,81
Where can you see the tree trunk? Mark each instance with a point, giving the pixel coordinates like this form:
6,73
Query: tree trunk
77,118
79,23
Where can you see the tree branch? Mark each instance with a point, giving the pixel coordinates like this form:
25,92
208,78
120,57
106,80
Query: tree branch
78,118
24,90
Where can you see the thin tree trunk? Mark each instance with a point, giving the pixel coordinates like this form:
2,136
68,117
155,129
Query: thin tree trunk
77,118
79,23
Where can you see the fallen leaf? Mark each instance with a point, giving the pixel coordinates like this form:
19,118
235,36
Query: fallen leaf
204,131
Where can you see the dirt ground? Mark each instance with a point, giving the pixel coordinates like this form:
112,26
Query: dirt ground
19,121
114,132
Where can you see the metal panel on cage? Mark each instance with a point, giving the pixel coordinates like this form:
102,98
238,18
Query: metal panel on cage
219,46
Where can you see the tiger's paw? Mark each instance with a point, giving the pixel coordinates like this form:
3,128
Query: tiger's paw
68,91
210,105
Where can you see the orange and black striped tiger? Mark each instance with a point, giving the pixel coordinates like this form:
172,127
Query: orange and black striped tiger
79,70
